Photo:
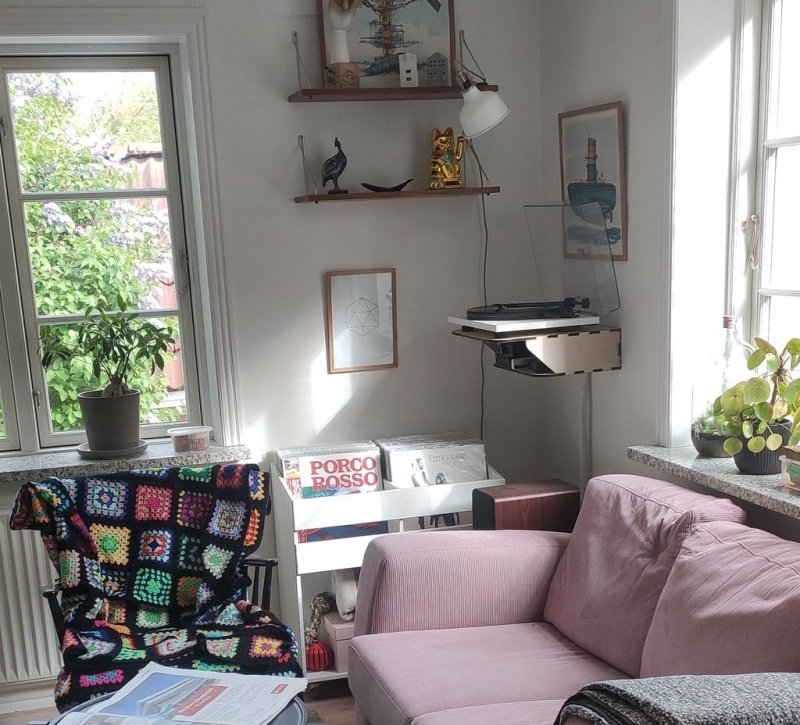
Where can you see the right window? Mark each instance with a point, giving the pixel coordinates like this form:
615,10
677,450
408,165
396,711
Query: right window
777,286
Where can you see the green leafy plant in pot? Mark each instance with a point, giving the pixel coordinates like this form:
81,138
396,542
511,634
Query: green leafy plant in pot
760,415
114,343
708,434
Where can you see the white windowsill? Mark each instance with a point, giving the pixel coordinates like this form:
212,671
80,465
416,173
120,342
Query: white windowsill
20,468
719,474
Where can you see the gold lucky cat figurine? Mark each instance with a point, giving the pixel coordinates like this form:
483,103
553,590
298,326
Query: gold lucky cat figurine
446,161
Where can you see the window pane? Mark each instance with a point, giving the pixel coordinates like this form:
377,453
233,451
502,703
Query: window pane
101,130
163,397
782,320
784,102
780,219
85,253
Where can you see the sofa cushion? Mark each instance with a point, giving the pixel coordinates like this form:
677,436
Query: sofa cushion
625,541
729,606
524,712
396,677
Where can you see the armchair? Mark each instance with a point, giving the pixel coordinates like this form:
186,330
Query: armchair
152,567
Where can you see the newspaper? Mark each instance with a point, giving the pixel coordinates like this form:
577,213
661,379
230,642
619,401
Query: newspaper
165,695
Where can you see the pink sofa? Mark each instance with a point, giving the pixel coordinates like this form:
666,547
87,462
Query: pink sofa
481,627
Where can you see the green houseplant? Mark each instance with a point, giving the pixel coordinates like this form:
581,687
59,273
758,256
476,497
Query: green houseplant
762,414
115,344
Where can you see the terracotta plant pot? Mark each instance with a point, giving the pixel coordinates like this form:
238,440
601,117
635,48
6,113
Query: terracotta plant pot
112,424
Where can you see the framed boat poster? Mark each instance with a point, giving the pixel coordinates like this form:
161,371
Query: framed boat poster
593,169
373,34
361,320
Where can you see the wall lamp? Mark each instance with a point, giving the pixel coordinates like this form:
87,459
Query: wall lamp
482,109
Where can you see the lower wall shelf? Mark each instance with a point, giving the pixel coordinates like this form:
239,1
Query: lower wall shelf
375,195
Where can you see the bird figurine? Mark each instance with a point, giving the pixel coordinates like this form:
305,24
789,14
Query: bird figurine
332,169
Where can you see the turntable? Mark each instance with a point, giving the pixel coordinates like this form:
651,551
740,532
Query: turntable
573,274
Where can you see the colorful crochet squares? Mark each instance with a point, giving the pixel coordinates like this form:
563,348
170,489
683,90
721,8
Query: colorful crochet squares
189,557
265,647
116,581
223,647
193,509
156,545
112,543
151,618
253,528
216,559
186,592
227,519
153,503
106,499
153,586
69,567
116,612
102,678
95,646
94,574
230,477
256,484
201,475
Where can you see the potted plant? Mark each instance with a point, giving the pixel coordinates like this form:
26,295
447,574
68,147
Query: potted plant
708,434
760,415
114,343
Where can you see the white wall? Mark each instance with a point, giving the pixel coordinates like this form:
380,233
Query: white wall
277,251
593,52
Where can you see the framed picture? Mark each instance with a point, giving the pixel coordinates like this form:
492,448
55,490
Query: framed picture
379,31
593,169
361,320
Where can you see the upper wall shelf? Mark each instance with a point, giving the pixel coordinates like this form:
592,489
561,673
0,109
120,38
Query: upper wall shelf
372,196
421,93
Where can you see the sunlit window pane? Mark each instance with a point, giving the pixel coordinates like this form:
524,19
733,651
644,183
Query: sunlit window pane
163,395
85,253
780,219
110,130
781,320
784,101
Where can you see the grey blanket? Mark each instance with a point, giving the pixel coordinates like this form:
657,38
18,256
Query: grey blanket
771,698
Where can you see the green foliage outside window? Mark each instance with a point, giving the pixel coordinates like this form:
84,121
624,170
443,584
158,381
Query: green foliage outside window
83,253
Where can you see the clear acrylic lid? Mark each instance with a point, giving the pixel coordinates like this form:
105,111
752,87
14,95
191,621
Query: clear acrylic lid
572,255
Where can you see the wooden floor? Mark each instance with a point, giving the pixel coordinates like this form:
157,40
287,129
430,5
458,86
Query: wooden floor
331,701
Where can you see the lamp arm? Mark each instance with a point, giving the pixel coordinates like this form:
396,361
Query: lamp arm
462,43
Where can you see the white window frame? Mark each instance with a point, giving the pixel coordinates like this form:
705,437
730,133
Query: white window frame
760,293
159,65
181,35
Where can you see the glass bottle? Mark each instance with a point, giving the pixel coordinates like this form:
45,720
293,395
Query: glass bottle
727,366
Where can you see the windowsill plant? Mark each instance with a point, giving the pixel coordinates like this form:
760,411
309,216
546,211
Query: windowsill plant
115,344
762,414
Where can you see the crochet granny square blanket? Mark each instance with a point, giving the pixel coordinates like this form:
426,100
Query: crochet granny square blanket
150,567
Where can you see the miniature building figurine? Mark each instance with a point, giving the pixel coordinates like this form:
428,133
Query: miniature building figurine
438,70
409,75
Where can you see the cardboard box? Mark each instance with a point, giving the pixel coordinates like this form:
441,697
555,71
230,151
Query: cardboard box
337,633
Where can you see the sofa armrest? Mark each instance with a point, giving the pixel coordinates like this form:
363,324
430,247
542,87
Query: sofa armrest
447,579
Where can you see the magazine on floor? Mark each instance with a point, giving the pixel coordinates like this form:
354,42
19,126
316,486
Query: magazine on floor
164,695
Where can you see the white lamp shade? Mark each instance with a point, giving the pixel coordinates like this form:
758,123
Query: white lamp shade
482,111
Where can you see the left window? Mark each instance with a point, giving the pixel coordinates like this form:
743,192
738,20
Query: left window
92,216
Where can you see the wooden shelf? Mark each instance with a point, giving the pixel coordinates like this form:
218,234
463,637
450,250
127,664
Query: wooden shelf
547,353
336,95
375,195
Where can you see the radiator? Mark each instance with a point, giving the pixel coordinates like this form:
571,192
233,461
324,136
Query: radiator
28,643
